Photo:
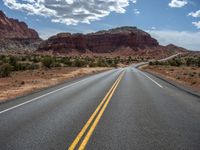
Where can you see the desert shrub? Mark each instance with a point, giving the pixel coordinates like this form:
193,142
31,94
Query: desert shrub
100,63
156,63
175,62
47,62
109,61
178,62
198,61
2,57
93,64
36,59
129,60
32,66
25,66
5,70
23,58
193,61
20,67
13,61
117,60
66,61
57,64
184,73
79,63
114,65
151,63
193,82
188,61
191,75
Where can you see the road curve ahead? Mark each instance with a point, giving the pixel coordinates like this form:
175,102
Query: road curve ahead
121,109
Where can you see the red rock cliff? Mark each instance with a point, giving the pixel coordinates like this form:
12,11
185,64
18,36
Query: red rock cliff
99,42
14,29
15,35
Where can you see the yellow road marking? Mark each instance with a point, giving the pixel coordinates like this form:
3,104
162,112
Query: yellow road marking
81,133
91,130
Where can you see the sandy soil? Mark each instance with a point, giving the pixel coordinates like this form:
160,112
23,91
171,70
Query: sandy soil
189,76
21,83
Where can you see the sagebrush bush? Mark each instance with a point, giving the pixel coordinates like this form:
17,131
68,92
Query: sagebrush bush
178,61
5,70
48,62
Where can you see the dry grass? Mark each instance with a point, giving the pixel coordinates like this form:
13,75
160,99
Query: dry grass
21,83
189,76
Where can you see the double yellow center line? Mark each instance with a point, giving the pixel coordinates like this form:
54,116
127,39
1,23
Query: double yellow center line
98,114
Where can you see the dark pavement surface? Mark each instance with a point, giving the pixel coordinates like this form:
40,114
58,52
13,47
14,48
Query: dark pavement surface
145,113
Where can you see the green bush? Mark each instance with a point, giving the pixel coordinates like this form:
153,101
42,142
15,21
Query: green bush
198,61
2,57
13,61
79,63
188,61
151,63
48,62
92,64
32,66
36,59
23,58
5,70
20,67
66,61
102,63
57,64
25,66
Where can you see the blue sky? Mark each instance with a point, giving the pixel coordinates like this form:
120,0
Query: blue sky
169,21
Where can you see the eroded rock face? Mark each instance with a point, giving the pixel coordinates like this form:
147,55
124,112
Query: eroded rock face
99,42
14,29
15,35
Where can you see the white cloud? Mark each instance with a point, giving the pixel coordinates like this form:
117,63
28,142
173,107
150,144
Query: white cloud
187,39
133,1
45,33
197,24
195,14
178,3
70,12
136,12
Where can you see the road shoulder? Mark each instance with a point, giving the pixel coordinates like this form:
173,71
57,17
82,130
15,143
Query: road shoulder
44,84
182,87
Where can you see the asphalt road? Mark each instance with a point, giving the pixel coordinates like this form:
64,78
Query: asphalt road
115,110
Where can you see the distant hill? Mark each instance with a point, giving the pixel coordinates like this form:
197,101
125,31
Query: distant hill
122,41
99,42
15,35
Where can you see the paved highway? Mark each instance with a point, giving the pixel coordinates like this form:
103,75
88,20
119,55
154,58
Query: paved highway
121,109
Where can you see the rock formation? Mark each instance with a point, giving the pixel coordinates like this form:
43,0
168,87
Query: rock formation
99,42
15,35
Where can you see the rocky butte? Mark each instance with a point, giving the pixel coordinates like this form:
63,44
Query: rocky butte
122,41
15,35
99,42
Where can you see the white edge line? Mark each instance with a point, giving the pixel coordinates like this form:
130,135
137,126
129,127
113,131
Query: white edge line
153,80
34,99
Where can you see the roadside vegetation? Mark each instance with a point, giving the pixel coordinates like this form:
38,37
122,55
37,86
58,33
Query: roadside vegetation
192,61
23,74
184,69
9,63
